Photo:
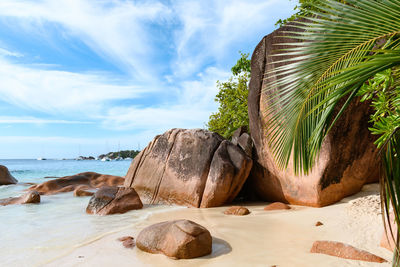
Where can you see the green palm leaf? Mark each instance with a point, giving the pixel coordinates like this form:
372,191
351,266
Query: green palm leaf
336,55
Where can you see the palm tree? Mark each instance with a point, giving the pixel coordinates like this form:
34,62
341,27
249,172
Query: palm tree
346,52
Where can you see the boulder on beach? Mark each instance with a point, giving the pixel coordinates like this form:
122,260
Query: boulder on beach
344,251
111,199
5,176
70,183
32,197
237,210
348,158
195,168
181,239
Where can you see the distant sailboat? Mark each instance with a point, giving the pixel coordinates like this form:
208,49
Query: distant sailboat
118,158
42,152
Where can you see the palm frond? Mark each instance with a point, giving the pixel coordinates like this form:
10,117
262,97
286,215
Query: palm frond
341,47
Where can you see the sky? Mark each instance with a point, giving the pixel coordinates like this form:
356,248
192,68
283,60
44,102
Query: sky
85,77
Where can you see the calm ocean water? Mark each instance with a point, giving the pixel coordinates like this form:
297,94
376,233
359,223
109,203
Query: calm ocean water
32,234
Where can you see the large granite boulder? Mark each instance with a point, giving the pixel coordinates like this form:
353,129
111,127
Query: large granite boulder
182,239
32,197
195,168
111,200
5,176
348,158
70,183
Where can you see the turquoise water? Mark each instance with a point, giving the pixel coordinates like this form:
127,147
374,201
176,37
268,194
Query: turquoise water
31,170
32,234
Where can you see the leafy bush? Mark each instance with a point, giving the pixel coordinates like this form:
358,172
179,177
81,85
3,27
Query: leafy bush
232,98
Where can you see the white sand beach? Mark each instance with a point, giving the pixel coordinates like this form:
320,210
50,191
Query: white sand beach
263,238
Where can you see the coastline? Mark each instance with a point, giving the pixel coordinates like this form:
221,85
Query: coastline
262,238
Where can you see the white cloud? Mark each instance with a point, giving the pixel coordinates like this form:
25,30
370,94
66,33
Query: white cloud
34,120
115,30
5,52
211,28
61,91
193,104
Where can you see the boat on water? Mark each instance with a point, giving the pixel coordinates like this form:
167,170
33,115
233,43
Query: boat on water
105,159
41,159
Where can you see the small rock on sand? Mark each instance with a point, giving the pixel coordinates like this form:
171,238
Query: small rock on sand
345,251
277,206
237,210
319,223
127,241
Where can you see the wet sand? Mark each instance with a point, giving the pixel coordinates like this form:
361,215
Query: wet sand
262,238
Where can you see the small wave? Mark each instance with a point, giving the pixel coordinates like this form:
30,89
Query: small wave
20,171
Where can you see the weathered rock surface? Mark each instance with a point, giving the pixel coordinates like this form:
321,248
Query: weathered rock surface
277,206
246,144
348,158
344,251
237,133
195,168
70,183
32,197
181,239
237,210
5,176
111,199
388,240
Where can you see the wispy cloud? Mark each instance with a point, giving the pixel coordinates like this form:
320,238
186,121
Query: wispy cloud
5,52
33,120
210,29
116,30
190,108
54,91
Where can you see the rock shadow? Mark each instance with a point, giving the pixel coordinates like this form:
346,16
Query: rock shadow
219,247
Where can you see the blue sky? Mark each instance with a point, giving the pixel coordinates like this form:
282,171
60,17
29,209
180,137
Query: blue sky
86,77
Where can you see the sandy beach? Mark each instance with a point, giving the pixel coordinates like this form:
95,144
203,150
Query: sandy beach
263,238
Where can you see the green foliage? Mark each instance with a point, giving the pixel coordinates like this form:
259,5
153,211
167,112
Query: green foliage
384,92
123,154
232,98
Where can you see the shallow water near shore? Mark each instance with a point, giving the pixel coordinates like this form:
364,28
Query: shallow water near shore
32,234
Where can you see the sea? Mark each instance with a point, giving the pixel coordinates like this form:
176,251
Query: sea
34,234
